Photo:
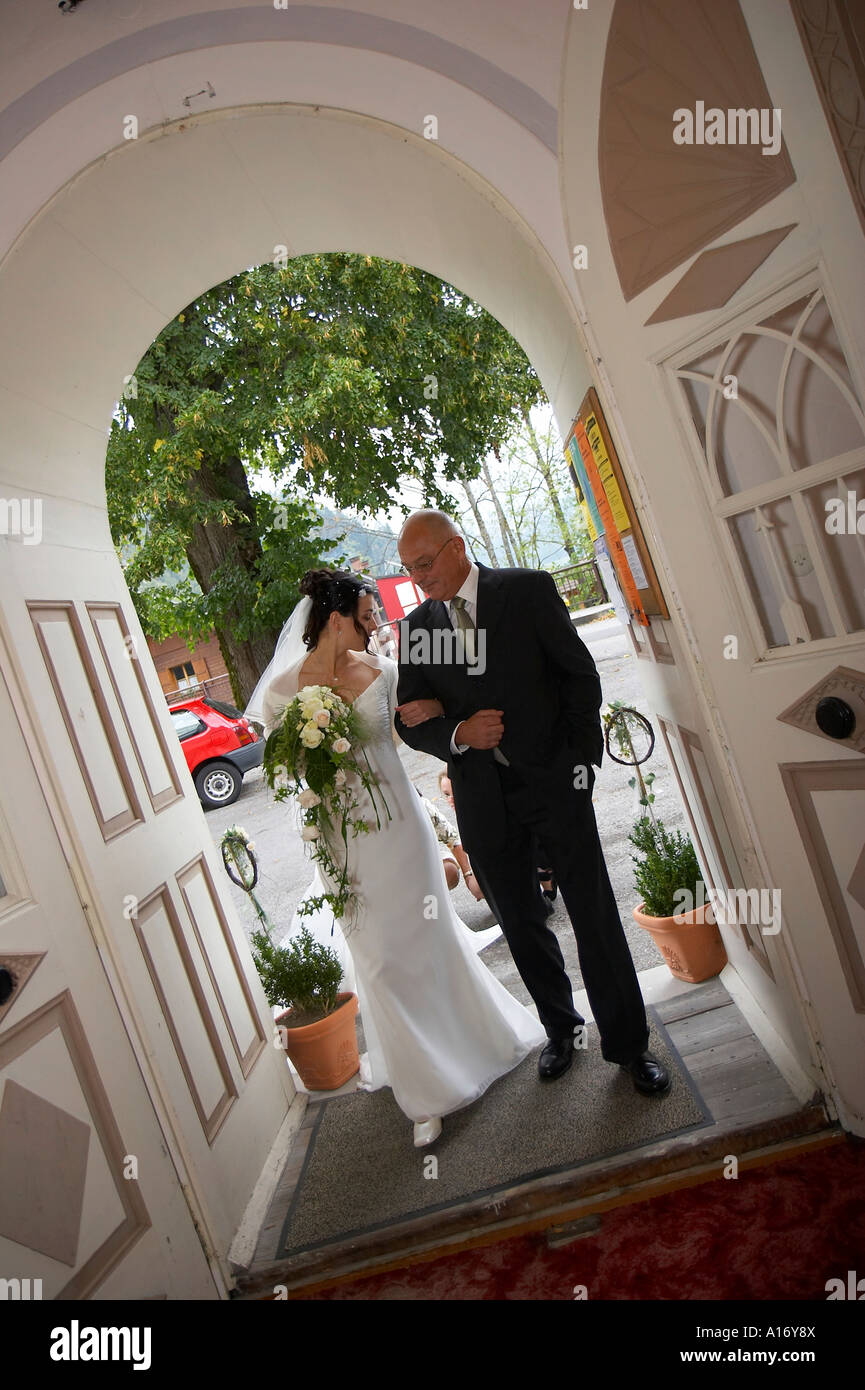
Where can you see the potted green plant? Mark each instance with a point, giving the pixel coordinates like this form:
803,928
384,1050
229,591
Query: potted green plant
317,1025
674,908
302,978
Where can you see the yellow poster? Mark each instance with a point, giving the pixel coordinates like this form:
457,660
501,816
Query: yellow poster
608,477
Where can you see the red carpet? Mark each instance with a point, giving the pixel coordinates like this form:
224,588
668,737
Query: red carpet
775,1232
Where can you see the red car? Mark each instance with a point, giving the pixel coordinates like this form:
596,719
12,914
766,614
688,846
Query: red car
219,745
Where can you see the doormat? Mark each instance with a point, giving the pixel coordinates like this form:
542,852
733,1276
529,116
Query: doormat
362,1172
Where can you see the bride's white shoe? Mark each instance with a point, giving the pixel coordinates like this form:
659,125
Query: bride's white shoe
485,938
426,1132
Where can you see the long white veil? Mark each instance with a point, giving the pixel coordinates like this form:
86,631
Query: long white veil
275,688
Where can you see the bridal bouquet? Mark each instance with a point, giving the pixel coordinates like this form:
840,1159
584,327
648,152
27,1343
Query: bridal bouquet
312,754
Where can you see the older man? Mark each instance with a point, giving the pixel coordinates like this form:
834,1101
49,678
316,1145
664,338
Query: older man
519,733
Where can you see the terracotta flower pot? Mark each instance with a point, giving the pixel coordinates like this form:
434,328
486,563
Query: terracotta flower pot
691,946
324,1053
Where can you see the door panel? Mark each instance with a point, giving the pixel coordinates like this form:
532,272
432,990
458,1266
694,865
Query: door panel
173,951
76,1122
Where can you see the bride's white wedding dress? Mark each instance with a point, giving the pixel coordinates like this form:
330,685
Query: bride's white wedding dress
439,1027
326,929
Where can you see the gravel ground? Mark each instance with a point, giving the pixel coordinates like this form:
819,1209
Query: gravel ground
285,871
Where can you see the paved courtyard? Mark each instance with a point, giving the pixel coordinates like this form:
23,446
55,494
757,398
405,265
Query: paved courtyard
285,871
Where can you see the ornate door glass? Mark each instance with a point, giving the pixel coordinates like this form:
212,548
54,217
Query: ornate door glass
778,420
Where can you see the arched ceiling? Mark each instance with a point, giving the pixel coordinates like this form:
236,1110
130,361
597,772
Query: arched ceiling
139,234
321,24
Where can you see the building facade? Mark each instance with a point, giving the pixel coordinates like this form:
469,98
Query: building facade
180,670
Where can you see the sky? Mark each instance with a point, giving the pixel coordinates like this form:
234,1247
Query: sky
551,553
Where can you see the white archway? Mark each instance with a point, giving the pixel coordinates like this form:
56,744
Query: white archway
144,230
89,284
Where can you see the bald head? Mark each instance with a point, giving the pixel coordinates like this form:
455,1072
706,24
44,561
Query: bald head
431,547
429,525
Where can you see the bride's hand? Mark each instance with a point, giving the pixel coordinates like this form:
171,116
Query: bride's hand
419,711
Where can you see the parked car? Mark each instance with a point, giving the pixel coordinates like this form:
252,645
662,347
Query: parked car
219,744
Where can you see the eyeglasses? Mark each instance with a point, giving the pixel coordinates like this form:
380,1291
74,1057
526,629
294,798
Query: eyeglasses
424,566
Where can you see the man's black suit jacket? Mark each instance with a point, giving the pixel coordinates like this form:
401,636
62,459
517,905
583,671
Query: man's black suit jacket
537,671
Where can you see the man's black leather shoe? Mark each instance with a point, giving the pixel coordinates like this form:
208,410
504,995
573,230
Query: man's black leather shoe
555,1058
649,1076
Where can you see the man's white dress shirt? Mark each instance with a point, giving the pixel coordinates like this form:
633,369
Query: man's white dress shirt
469,591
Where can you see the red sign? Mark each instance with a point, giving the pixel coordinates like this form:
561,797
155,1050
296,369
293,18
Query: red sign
399,595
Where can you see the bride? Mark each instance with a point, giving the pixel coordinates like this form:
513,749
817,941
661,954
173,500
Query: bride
439,1027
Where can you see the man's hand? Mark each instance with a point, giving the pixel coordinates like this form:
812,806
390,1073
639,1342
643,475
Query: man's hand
419,711
483,730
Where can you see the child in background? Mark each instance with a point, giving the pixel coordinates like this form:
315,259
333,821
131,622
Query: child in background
454,858
448,835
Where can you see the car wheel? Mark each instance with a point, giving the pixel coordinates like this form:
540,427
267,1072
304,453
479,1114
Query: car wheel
218,784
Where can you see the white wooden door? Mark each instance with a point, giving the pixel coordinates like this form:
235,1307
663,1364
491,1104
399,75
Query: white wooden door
170,949
90,1202
779,456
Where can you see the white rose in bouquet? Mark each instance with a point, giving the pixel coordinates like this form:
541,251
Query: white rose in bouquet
311,735
310,832
310,702
339,778
341,745
308,798
322,718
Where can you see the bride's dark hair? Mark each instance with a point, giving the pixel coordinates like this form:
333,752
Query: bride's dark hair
332,591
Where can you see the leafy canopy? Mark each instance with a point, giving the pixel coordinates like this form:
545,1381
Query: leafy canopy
338,375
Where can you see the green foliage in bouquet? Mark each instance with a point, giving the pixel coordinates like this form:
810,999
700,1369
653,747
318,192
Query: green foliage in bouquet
316,754
664,864
304,975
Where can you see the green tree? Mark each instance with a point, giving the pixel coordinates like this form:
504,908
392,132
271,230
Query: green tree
544,459
483,535
338,376
534,497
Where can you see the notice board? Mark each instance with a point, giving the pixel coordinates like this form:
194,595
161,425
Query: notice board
610,513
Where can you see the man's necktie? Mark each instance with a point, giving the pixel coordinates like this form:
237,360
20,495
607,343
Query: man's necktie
467,627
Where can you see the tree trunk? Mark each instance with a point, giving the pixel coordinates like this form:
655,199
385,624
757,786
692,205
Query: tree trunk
482,526
544,467
507,535
213,545
516,521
